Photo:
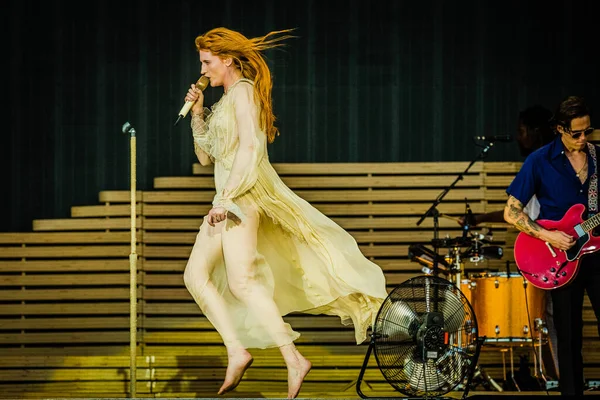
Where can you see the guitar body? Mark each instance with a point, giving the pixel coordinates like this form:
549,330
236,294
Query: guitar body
547,267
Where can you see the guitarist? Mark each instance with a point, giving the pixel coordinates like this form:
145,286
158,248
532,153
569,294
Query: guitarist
562,174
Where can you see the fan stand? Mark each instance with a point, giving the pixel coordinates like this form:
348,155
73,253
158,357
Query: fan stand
373,335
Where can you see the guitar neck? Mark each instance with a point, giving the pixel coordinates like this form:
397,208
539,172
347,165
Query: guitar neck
591,223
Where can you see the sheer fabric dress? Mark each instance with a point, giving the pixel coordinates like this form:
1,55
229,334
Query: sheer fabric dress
298,257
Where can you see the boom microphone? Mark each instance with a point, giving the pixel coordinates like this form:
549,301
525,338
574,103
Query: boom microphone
495,138
201,84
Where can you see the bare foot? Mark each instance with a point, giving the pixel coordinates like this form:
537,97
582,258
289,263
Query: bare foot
238,363
296,374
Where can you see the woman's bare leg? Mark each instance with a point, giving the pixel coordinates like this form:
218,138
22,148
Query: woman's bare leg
297,366
205,254
240,252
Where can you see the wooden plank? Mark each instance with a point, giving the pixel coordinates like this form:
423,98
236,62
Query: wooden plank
70,361
330,182
83,224
499,195
327,209
408,222
66,237
164,280
176,279
105,211
25,391
195,355
278,389
396,168
297,321
63,323
104,293
179,196
360,237
173,224
321,360
178,266
193,224
68,351
82,388
501,181
119,196
66,309
184,251
67,265
83,279
332,375
507,167
71,374
164,265
392,222
263,358
66,337
75,251
323,195
212,337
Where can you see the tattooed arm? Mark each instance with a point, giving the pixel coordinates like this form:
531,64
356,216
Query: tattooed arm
514,215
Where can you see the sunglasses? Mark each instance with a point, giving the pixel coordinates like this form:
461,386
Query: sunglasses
576,134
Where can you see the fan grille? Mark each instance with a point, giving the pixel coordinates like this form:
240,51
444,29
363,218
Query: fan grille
425,337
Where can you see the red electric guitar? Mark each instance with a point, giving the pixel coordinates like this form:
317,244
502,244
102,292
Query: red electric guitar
547,267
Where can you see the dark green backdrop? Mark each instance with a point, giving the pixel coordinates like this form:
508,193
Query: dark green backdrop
364,81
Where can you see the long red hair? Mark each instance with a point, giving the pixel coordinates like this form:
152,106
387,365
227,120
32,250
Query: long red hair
247,54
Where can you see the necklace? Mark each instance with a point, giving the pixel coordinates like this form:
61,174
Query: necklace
584,165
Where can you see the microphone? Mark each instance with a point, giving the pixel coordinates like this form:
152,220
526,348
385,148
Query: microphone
128,129
201,84
495,138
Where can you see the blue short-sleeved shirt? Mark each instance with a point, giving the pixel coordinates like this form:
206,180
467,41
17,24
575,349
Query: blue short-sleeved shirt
548,174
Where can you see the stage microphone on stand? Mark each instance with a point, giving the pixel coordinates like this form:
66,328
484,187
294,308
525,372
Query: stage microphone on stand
201,84
128,129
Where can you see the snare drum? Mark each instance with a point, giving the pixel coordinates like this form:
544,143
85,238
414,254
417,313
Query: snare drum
498,301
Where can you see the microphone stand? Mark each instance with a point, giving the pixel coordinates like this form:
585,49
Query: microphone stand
128,129
433,211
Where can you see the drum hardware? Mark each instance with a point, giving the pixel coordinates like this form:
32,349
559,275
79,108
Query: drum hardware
427,258
542,330
484,378
512,366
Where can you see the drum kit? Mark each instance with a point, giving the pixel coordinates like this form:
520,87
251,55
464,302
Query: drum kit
509,311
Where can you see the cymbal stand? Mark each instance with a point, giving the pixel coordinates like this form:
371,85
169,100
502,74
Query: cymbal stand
433,212
455,266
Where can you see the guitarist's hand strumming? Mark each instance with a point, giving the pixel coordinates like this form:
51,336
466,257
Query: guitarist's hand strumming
558,239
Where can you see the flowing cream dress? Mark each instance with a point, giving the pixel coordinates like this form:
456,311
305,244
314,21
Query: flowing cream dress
304,261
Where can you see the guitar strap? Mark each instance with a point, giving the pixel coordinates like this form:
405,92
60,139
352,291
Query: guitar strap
593,188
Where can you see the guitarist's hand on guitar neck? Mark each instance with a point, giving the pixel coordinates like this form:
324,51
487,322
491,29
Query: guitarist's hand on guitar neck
558,239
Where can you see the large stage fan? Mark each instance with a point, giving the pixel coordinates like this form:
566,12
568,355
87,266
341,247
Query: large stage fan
425,338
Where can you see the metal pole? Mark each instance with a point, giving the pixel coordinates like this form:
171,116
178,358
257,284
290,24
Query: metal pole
128,129
133,276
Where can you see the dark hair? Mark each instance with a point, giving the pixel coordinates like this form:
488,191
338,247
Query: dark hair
536,121
570,108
